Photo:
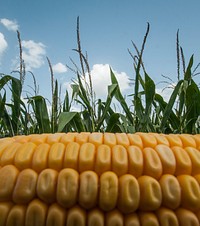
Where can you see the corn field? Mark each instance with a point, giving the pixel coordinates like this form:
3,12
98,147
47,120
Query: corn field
148,111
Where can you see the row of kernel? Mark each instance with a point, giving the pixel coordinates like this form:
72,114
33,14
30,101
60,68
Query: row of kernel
138,139
133,160
108,191
39,214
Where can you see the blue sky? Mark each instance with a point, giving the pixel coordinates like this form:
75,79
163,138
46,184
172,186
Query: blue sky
48,28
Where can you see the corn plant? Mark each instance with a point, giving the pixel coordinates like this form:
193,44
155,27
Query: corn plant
148,111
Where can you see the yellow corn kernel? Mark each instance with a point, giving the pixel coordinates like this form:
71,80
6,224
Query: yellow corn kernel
103,159
148,140
108,193
96,139
67,187
16,216
194,155
161,139
8,178
197,178
8,155
4,144
166,217
22,139
56,216
46,185
190,192
183,161
150,193
95,217
198,215
23,156
135,140
110,139
122,139
7,139
186,217
148,219
187,140
25,187
167,158
174,140
100,179
88,189
71,156
119,160
171,191
197,140
131,220
129,194
53,138
152,163
40,157
67,138
82,137
56,155
76,217
38,138
36,213
5,208
86,157
114,218
135,161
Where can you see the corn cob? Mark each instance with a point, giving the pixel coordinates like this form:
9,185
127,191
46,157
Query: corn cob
100,179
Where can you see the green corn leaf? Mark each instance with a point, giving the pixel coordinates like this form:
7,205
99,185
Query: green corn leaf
113,123
75,90
188,73
5,117
2,104
192,106
169,107
174,121
79,90
83,94
16,88
66,102
149,93
99,109
111,92
54,111
4,80
181,102
71,120
39,106
87,120
120,98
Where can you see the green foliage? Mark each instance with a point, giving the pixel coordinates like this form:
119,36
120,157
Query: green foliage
148,111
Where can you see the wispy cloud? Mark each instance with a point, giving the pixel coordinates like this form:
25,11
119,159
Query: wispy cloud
11,25
3,45
59,68
33,54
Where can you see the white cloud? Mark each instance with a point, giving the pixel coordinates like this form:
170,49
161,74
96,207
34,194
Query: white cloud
59,68
3,45
100,74
33,54
11,25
